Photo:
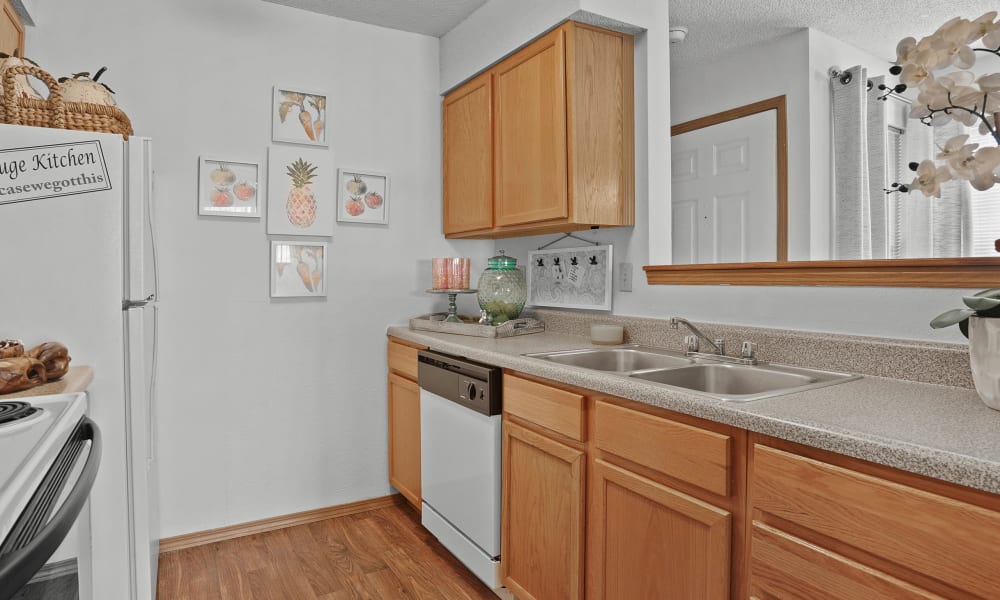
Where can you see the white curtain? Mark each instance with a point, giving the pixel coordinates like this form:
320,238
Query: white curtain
861,222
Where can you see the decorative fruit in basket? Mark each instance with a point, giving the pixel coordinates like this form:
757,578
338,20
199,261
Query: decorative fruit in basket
373,200
81,87
244,191
356,186
54,356
354,207
20,373
22,85
11,348
301,206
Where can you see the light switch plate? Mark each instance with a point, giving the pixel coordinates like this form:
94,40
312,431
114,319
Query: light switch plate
624,277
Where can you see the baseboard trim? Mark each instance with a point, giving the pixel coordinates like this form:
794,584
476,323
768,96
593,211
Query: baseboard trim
201,538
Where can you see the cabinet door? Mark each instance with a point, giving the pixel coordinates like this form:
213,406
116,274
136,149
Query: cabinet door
542,516
404,437
468,157
649,541
11,29
530,134
784,566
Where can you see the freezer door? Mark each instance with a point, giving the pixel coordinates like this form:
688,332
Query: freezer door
140,243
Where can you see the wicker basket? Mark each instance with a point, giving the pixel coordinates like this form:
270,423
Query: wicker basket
54,112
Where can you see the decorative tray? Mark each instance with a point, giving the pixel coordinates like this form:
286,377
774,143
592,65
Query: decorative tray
471,326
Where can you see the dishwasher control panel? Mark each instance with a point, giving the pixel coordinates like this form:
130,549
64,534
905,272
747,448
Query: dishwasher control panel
474,385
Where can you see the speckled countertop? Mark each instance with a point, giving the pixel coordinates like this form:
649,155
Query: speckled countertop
935,430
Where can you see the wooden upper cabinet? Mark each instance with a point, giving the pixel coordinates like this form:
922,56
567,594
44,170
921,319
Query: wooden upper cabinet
468,157
11,29
562,146
530,134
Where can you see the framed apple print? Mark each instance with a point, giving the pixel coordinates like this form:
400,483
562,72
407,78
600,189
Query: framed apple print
298,269
300,196
362,197
228,188
298,116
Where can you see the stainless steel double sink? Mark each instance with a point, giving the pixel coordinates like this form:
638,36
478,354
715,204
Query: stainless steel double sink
722,380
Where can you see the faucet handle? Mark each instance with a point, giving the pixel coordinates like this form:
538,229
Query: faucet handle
748,350
691,343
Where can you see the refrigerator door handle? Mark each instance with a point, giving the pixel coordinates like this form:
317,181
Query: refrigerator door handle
127,304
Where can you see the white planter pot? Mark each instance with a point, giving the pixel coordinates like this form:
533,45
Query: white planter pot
984,358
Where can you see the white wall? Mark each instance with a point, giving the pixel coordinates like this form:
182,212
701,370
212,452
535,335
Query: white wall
269,407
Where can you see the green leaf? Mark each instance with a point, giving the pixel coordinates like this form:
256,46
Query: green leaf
951,317
981,303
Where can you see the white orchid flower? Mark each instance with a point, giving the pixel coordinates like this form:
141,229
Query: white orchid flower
978,168
991,39
930,177
981,26
951,43
915,74
955,150
905,50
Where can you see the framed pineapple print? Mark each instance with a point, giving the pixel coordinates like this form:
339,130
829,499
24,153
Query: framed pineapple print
298,116
362,197
300,195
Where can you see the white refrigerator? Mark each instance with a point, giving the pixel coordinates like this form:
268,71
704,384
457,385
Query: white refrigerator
78,256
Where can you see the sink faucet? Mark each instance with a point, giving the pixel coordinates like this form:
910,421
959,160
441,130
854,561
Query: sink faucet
719,344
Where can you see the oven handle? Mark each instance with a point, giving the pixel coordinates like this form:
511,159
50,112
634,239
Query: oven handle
18,566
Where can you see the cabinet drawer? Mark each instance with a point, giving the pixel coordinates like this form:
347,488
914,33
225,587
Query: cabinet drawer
945,539
549,407
403,359
784,566
696,456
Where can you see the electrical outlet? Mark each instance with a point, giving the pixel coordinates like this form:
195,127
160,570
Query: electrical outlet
624,277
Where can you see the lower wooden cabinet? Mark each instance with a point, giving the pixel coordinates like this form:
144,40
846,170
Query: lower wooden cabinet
404,437
646,540
828,526
785,566
542,516
404,419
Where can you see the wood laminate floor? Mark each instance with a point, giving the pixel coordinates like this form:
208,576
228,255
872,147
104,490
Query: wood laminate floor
380,555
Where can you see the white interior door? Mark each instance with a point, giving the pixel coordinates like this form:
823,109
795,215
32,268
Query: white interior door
725,192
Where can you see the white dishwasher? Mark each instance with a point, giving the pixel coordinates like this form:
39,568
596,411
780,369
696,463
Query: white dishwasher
460,408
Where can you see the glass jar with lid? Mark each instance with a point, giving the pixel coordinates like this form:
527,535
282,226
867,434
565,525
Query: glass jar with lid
502,290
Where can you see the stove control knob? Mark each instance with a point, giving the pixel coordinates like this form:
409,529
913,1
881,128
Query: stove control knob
471,391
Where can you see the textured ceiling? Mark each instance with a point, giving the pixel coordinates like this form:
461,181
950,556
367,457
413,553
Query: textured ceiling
716,27
430,17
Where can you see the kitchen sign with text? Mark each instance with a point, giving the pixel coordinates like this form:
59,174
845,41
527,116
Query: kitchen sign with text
50,171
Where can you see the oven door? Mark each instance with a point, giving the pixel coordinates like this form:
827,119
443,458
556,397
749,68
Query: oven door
55,507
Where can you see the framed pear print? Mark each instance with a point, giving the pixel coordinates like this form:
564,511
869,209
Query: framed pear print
300,195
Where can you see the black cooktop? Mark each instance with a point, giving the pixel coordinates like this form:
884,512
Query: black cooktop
13,411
